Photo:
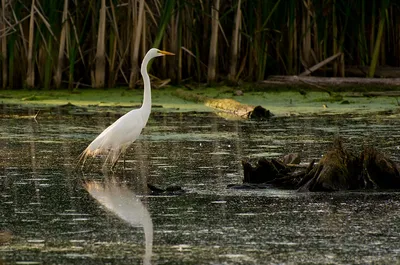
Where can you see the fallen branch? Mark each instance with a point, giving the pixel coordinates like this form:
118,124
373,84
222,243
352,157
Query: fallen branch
377,94
330,81
320,64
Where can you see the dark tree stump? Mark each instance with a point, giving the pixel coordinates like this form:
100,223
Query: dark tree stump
339,169
381,171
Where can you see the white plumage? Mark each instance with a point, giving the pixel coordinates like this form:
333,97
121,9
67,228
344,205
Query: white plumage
117,137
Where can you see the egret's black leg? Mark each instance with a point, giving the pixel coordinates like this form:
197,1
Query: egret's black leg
124,161
115,162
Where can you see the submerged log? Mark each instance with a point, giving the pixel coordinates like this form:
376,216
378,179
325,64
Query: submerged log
228,105
265,171
170,190
282,173
339,169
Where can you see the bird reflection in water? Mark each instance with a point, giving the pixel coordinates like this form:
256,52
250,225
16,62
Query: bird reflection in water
121,201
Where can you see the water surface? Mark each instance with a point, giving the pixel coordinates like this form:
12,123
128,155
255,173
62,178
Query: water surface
55,217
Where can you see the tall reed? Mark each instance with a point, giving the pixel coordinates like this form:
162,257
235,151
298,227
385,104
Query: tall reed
96,43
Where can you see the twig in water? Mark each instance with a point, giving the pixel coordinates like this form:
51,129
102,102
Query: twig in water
34,117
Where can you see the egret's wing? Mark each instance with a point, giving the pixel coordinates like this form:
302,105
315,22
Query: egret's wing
123,131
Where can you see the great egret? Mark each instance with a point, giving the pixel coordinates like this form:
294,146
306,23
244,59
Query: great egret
117,137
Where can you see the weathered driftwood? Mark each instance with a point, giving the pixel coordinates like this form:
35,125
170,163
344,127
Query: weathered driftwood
320,64
228,105
339,169
330,81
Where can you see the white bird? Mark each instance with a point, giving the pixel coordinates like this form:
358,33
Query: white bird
117,137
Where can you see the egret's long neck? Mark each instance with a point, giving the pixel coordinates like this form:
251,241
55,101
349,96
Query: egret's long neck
146,107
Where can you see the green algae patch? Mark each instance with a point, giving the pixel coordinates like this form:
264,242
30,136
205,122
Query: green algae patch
280,103
37,98
162,99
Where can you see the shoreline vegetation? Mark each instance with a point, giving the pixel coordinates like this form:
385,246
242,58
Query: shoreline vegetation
95,44
280,102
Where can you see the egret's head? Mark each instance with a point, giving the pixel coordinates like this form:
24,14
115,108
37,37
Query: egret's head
156,52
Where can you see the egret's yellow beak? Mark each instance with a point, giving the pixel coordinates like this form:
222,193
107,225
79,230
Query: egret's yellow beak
166,53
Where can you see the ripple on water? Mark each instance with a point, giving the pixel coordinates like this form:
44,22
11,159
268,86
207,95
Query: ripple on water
44,204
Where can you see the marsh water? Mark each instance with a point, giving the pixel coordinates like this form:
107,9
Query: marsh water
55,214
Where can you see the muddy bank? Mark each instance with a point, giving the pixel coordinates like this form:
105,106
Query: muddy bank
339,169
